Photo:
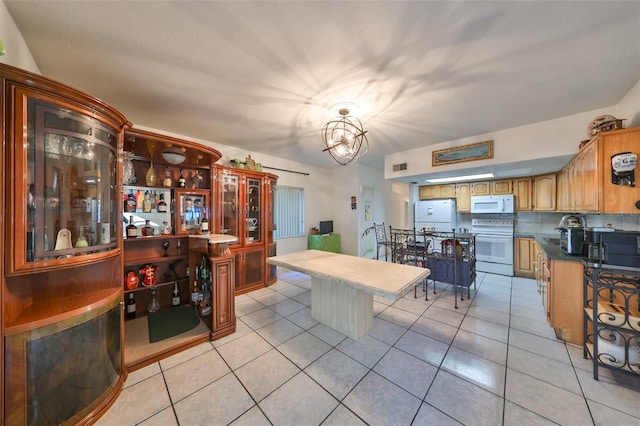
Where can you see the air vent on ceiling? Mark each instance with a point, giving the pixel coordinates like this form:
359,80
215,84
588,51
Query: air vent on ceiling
398,167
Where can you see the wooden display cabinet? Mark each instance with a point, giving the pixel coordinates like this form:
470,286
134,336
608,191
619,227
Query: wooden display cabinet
245,200
61,252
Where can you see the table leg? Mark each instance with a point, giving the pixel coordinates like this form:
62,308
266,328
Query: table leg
341,307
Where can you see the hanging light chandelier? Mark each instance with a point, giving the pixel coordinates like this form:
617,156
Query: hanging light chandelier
345,138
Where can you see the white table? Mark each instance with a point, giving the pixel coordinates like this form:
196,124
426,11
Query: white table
342,286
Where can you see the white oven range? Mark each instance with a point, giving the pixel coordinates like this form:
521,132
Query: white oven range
494,245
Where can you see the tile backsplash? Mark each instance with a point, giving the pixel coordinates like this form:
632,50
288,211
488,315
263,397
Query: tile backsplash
545,223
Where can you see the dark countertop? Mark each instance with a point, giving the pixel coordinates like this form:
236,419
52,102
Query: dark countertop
553,250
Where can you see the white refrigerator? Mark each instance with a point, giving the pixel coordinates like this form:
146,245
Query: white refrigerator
435,215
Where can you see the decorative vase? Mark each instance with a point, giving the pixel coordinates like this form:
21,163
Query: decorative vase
150,178
128,173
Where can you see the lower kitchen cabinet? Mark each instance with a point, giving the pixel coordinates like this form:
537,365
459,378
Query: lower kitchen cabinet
524,259
250,269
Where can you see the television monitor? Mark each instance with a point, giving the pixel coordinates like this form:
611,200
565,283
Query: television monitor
326,227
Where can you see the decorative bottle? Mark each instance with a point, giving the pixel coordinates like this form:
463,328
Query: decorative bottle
150,178
167,178
204,225
132,230
148,230
131,307
182,182
175,300
139,199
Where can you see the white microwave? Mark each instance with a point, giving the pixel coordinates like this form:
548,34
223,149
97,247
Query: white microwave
492,204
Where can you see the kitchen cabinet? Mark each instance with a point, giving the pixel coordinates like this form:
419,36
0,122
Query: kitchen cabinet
429,192
501,187
61,281
245,202
612,318
463,197
524,259
481,188
586,186
560,285
544,192
523,191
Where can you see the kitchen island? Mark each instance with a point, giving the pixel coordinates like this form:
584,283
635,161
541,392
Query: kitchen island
342,286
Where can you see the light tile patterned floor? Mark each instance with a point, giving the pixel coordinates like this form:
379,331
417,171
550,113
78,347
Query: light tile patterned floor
493,361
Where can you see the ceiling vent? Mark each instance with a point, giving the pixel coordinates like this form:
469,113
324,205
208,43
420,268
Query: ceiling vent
398,167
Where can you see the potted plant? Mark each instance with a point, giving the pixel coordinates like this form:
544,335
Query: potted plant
314,231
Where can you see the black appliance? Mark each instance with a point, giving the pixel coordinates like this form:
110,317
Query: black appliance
619,248
572,240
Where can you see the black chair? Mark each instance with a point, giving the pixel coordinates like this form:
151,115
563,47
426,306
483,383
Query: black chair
381,240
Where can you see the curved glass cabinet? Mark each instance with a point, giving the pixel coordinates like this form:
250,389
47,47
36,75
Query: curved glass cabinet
68,202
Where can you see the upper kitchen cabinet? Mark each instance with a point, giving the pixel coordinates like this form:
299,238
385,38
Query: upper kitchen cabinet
492,187
523,191
429,192
544,193
588,183
245,205
463,197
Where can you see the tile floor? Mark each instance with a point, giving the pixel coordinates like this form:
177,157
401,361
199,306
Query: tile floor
493,361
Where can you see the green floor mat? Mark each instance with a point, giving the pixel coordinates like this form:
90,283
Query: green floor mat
171,322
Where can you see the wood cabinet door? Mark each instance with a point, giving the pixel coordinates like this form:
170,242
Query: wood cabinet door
463,197
447,191
565,300
618,198
480,188
428,192
250,269
544,190
523,190
562,197
590,178
502,187
524,258
223,318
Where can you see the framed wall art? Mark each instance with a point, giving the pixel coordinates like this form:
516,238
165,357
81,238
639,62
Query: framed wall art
459,154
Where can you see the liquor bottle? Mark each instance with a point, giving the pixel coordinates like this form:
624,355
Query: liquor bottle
131,307
153,196
182,182
132,230
195,293
167,178
130,203
148,230
161,204
146,204
139,200
175,301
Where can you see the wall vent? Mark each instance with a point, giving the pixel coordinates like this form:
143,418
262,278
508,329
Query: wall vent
398,167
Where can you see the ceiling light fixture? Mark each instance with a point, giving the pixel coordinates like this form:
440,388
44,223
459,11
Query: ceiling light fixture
173,154
461,178
345,138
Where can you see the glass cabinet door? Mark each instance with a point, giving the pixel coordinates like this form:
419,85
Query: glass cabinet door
191,208
254,210
69,161
229,214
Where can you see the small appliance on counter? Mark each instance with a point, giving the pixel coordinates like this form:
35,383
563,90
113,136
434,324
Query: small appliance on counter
616,248
572,237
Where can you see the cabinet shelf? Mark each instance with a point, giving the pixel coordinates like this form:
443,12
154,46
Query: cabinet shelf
162,284
154,259
53,310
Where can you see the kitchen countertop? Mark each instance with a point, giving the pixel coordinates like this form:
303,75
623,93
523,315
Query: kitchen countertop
553,250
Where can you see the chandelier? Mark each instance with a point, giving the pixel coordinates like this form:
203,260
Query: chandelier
344,138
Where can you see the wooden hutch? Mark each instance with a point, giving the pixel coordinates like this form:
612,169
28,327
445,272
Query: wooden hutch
70,164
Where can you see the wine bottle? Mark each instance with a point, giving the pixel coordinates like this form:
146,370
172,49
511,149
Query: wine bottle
204,225
131,307
132,230
175,301
182,182
195,293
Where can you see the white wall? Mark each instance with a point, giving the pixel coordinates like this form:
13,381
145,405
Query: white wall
17,52
629,107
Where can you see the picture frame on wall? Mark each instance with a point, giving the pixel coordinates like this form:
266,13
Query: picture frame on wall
459,154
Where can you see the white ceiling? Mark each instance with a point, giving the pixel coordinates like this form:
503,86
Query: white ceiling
260,75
